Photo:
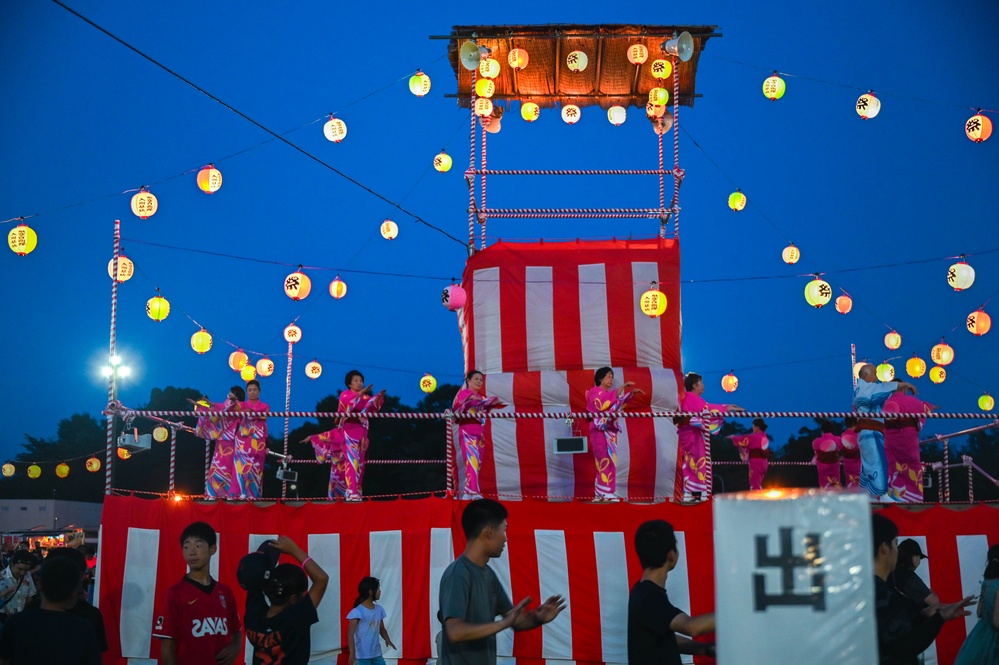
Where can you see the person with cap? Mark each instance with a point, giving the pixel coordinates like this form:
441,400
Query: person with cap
982,645
16,584
906,581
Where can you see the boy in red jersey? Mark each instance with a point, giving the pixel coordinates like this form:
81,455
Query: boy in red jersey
199,625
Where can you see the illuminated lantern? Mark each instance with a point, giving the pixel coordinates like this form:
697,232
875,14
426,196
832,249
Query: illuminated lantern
893,340
123,453
428,383
265,367
844,304
661,69
517,59
885,372
654,110
730,382
653,302
857,366
338,288
297,285
485,88
453,297
570,114
237,360
662,125
442,162
868,106
942,353
144,204
389,229
638,54
978,323
8,470
774,87
419,83
960,276
125,268
335,130
248,373
577,61
201,341
737,200
659,96
530,111
93,465
22,239
915,366
978,128
791,254
157,308
161,434
938,374
617,115
489,68
313,370
292,334
34,471
209,179
62,469
483,107
986,402
818,292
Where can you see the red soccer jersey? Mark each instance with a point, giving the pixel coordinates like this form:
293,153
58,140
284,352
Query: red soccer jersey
200,620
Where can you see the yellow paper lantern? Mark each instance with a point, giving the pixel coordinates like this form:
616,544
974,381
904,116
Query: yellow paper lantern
313,370
638,54
161,434
857,366
653,302
62,469
986,402
22,240
774,87
93,465
942,353
144,204
201,341
885,372
483,107
248,373
157,308
915,366
868,106
125,268
297,285
442,162
961,276
292,334
8,470
978,128
419,83
237,360
661,69
659,96
616,115
729,383
938,374
428,383
978,323
791,254
338,288
571,114
577,61
737,200
818,293
389,229
265,366
844,304
34,471
489,68
530,111
485,88
209,179
123,454
335,130
517,58
893,340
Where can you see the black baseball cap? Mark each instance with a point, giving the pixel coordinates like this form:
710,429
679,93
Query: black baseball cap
255,568
910,547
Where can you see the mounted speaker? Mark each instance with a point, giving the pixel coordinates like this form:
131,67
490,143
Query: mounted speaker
682,46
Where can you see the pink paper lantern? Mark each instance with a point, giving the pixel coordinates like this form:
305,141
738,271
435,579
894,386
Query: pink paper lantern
453,297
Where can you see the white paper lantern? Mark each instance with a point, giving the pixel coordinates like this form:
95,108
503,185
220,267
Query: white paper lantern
577,61
570,114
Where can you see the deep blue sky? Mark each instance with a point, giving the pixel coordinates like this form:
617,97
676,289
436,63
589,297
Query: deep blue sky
85,119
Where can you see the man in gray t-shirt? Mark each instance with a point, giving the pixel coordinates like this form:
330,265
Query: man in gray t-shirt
471,596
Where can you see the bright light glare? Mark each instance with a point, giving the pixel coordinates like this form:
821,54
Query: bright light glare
124,371
774,494
105,371
115,360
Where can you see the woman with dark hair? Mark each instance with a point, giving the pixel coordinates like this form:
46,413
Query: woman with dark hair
982,645
251,444
469,404
602,398
690,434
755,446
367,624
224,430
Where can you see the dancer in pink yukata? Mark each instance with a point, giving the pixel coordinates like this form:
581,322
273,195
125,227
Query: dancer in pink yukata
469,405
251,444
693,458
214,426
754,448
850,451
356,401
328,447
603,430
826,460
905,469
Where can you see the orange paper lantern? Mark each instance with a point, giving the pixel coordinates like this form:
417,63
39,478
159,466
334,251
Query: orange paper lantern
62,470
209,179
978,323
729,383
915,366
93,465
237,360
338,288
844,304
942,353
893,340
297,285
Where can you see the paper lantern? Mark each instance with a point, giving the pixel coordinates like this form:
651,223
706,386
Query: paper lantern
157,308
335,130
986,402
161,434
938,374
8,470
570,114
661,69
237,360
453,297
483,107
868,106
485,88
653,302
428,384
729,383
893,340
492,124
125,268
338,288
292,334
313,370
978,128
737,200
978,323
93,465
960,276
265,367
774,87
654,110
297,285
62,469
530,111
22,239
617,115
248,373
818,293
201,341
123,453
791,254
34,471
144,204
489,68
419,83
209,179
517,58
442,162
915,366
577,61
942,353
844,304
389,229
638,54
659,96
885,372
857,366
662,125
